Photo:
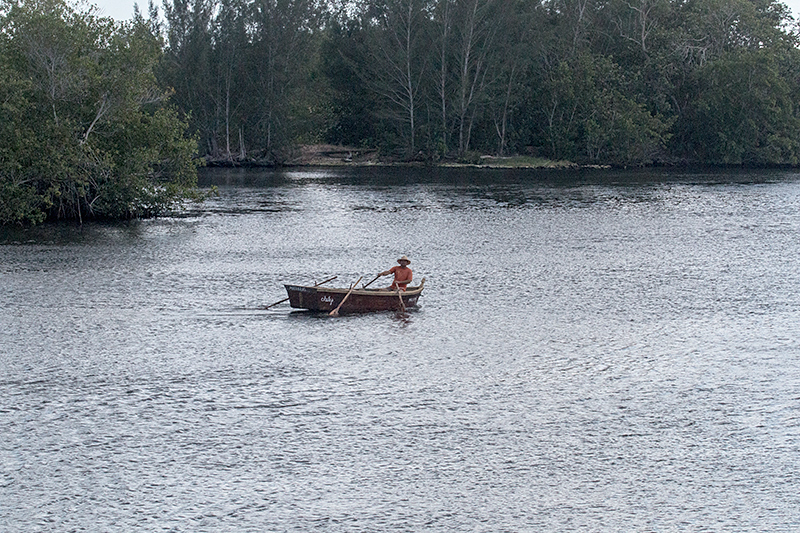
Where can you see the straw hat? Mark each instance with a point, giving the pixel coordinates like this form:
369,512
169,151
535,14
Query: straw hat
404,258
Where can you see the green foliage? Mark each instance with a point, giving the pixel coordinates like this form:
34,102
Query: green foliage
622,82
744,112
85,131
351,102
587,116
614,82
244,71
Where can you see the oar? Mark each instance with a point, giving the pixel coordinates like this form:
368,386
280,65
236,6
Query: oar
371,282
316,285
335,312
402,303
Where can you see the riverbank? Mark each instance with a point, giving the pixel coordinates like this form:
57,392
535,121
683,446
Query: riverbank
335,155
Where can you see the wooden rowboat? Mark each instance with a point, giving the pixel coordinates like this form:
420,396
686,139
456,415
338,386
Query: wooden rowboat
360,300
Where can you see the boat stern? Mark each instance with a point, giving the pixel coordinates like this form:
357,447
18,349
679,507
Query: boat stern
301,297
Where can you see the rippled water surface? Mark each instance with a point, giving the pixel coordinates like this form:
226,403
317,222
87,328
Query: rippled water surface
593,352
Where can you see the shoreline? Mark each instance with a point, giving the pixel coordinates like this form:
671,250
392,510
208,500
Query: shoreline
326,155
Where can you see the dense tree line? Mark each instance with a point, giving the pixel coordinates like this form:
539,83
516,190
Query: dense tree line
94,113
85,131
626,82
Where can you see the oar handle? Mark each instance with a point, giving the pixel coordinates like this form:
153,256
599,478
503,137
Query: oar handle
371,282
326,281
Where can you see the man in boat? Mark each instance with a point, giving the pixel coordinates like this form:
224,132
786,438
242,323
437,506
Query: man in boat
402,274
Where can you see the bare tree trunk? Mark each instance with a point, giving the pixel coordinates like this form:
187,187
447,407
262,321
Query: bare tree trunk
580,15
464,67
228,117
444,47
397,63
501,128
479,27
643,26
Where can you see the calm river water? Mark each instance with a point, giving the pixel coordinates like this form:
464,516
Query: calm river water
598,351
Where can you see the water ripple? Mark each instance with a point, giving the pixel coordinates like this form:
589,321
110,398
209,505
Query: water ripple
594,352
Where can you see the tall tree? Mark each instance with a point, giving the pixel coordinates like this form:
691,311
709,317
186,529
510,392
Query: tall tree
352,101
284,41
443,14
516,50
478,25
397,61
229,67
187,65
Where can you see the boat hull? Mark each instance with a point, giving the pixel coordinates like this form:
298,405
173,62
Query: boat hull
359,301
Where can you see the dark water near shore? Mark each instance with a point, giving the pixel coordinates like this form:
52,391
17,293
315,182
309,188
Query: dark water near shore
598,351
